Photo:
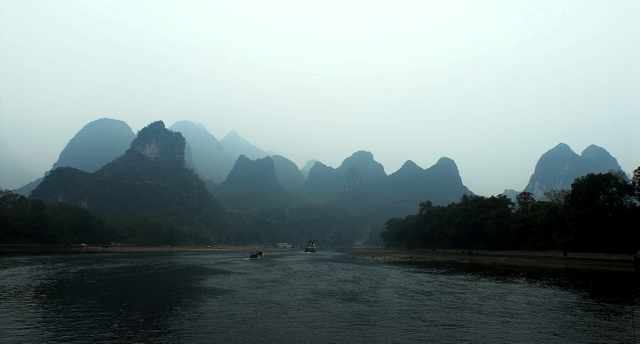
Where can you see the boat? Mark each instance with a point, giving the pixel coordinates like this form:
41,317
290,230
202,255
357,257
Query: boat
256,255
283,245
311,246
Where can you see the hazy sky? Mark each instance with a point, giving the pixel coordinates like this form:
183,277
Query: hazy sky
490,84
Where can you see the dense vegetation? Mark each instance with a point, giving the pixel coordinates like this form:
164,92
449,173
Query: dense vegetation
600,213
30,221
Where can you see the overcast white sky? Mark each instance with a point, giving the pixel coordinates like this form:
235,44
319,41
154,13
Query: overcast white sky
491,84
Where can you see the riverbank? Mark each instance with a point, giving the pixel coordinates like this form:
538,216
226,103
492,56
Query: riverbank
41,249
601,261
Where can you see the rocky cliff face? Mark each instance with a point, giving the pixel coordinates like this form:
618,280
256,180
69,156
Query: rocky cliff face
560,166
150,178
155,142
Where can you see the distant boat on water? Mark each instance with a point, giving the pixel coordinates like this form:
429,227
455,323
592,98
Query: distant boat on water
311,246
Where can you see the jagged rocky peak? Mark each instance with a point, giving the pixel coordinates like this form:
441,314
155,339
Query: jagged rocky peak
444,168
409,170
594,151
447,165
563,147
158,143
369,169
560,155
410,165
259,172
324,177
558,167
599,160
232,135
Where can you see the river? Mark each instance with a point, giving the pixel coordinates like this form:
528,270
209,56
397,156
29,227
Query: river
294,297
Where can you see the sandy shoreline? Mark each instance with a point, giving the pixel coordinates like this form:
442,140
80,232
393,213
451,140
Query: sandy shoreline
613,262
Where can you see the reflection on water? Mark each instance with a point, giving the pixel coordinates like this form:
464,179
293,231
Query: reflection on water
599,285
323,297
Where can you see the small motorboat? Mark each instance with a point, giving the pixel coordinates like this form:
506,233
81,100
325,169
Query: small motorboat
311,246
256,255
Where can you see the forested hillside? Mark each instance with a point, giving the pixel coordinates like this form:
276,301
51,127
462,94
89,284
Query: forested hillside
146,196
601,213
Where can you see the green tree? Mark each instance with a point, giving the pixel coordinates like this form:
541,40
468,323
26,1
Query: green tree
558,196
635,182
525,201
601,213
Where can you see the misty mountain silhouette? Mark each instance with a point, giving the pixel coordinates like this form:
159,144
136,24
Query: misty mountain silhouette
369,169
150,177
560,166
236,146
441,183
359,170
307,167
252,184
208,156
288,174
96,144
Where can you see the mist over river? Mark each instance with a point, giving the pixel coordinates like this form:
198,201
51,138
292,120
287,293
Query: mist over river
294,297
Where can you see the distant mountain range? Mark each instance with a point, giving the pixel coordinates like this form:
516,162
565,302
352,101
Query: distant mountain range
150,177
167,170
101,141
159,174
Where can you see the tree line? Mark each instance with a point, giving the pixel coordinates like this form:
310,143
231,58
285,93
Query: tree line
31,221
600,213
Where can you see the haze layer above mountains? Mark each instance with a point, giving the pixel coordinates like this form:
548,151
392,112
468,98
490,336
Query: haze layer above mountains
103,140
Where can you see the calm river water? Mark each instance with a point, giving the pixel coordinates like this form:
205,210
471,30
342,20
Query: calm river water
294,297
